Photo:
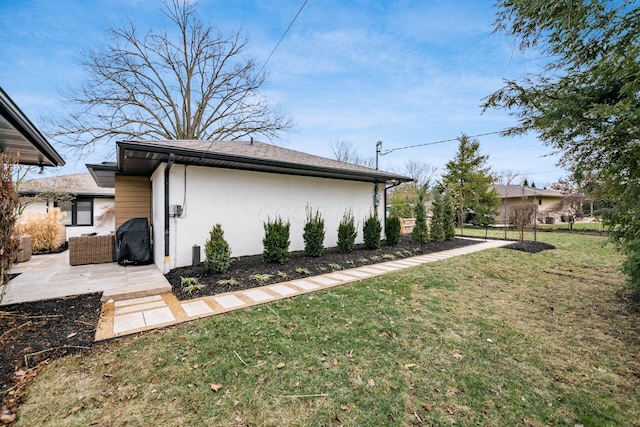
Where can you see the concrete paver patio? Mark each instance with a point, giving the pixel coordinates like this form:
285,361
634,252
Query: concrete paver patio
51,276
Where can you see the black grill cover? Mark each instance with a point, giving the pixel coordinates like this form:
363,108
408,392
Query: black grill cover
133,244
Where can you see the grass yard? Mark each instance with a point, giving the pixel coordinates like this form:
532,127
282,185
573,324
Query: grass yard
495,338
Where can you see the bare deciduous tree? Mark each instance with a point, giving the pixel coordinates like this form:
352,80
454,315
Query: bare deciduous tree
570,206
343,151
188,82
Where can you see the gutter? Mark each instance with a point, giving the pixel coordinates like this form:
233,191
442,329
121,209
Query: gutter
172,158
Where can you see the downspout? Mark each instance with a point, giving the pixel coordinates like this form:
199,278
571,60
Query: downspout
172,158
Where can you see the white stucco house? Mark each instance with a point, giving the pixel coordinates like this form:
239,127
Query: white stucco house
184,188
87,208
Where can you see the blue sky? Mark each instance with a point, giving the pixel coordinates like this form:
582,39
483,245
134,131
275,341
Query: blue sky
403,72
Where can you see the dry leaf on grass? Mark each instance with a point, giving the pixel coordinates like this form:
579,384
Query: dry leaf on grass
215,387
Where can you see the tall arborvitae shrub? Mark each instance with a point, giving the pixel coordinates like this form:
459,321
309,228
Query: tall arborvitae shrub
276,241
392,230
371,231
438,216
347,233
8,205
217,251
420,233
313,234
449,216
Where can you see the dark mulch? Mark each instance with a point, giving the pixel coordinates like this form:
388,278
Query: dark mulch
242,268
33,333
530,247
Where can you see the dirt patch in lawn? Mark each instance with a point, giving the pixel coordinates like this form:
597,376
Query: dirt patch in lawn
249,272
33,333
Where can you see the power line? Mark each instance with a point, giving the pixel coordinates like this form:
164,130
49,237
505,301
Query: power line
283,35
437,142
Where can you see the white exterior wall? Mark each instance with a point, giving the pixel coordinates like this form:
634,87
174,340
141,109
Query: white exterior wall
74,231
241,201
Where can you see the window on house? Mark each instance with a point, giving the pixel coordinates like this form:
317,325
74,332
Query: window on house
77,212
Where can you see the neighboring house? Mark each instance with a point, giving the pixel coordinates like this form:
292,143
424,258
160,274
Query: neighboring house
544,200
87,208
184,188
19,135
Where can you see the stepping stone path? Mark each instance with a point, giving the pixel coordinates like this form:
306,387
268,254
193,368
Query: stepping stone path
141,314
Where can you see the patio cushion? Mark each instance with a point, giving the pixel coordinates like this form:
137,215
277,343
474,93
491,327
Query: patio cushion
91,249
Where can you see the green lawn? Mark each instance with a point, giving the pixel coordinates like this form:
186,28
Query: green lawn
496,338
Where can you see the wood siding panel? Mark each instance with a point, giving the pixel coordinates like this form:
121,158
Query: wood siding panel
133,198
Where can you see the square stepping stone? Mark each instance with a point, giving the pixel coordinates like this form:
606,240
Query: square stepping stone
396,265
128,322
139,307
283,290
340,276
323,280
258,295
229,301
358,273
387,267
372,270
303,284
196,308
138,300
157,316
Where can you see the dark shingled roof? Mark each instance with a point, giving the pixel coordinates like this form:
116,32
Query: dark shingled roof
142,157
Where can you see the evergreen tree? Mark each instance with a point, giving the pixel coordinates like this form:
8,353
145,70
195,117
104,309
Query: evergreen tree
420,233
438,216
470,182
216,251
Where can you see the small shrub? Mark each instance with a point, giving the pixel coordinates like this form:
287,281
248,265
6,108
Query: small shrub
323,268
334,267
363,260
392,231
389,257
375,258
347,233
371,232
303,271
261,278
399,254
216,251
227,282
313,234
43,228
190,284
420,233
350,263
276,241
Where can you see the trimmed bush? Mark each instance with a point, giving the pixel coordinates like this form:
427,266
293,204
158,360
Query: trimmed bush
372,231
347,233
43,228
276,241
420,233
217,252
392,231
438,218
313,234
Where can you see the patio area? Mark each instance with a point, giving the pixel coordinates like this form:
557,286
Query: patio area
51,276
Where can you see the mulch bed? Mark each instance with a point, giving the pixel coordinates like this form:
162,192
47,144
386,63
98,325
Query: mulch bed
244,270
33,333
530,247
